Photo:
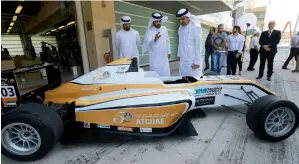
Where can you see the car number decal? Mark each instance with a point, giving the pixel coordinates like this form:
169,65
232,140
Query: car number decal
8,92
8,96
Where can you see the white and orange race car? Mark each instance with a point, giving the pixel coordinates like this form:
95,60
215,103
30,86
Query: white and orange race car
121,98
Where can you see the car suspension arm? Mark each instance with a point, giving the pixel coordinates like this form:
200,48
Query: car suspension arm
247,93
236,98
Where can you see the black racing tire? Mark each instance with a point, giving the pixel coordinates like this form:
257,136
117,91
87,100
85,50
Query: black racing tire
211,73
43,119
260,109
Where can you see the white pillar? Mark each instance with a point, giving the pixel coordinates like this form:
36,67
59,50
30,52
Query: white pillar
296,25
81,32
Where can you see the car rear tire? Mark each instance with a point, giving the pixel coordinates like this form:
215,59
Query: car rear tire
272,119
30,131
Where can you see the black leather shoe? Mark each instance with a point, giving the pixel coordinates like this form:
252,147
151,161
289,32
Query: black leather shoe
259,77
285,68
269,78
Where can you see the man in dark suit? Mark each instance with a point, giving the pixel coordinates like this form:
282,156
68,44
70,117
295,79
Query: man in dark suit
268,41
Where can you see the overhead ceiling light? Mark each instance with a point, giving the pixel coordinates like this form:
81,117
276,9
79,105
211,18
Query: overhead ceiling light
14,18
11,24
53,30
60,27
8,31
71,23
21,0
9,28
48,33
19,8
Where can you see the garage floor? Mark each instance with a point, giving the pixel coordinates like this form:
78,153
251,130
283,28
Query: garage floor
224,137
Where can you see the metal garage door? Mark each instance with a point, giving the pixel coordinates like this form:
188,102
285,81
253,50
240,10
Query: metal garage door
13,44
36,42
140,17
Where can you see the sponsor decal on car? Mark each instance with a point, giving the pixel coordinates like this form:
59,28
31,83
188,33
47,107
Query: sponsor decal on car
205,101
103,126
126,129
143,119
120,70
208,91
150,121
6,81
86,125
146,130
102,75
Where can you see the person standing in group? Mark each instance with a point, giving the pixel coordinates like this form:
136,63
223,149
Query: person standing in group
218,41
239,60
235,44
209,49
294,50
297,62
189,48
127,39
156,42
224,60
254,50
268,41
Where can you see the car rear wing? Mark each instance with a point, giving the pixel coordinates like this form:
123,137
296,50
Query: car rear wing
10,89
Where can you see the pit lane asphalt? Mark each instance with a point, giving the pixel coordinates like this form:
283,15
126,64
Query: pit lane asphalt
224,137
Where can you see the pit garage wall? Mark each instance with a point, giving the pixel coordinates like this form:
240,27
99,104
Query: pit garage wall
140,17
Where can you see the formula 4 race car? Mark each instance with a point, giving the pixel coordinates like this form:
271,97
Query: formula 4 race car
122,99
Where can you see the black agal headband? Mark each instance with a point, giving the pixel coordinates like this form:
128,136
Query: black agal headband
154,15
182,14
125,20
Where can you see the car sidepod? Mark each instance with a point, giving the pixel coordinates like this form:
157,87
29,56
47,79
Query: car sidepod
156,113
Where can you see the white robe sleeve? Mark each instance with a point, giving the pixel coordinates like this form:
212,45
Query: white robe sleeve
117,44
137,39
148,42
198,33
167,42
178,52
240,48
227,42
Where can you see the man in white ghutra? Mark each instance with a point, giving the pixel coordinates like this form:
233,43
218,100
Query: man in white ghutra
189,49
156,42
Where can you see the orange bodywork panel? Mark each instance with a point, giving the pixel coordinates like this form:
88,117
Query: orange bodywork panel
121,61
70,92
149,117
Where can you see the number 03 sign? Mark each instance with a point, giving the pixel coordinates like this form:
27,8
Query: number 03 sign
8,96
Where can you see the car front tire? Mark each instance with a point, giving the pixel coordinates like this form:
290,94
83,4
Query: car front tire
273,119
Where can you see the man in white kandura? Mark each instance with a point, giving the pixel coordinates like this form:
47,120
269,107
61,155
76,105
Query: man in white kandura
156,43
127,39
189,50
